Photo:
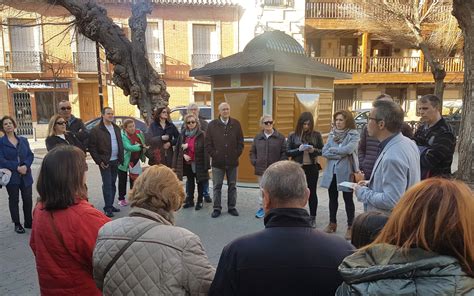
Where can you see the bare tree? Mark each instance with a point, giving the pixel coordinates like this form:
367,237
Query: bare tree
464,13
422,24
133,73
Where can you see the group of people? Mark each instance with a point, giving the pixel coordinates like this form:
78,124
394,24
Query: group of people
410,231
79,250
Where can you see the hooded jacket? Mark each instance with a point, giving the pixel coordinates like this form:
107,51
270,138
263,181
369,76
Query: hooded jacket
386,270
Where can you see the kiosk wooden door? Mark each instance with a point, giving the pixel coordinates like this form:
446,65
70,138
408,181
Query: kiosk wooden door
89,103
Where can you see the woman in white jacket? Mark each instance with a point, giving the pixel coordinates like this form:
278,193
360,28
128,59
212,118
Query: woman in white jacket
145,254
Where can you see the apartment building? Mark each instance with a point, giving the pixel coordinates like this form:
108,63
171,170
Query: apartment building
43,61
377,66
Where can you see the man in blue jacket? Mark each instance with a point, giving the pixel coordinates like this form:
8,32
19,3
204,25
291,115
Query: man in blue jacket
288,257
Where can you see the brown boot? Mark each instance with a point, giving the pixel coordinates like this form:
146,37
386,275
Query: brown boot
348,235
331,228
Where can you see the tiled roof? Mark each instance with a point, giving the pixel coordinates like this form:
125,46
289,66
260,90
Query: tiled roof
179,2
270,52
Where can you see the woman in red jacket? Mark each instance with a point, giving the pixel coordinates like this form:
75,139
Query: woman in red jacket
66,225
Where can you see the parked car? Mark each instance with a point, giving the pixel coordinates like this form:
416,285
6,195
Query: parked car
361,116
177,114
139,124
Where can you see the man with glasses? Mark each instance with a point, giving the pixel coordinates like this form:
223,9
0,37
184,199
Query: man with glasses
224,143
74,124
397,165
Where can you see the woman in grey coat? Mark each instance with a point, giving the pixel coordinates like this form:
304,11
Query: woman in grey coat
341,153
426,247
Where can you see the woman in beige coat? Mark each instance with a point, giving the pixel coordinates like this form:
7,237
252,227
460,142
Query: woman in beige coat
145,254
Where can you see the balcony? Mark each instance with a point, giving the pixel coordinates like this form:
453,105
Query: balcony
332,10
24,61
85,61
346,64
201,59
157,61
394,64
391,64
279,3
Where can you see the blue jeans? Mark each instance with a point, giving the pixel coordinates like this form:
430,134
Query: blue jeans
109,177
218,180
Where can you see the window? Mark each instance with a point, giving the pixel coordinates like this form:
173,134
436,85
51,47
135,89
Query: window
46,106
25,55
205,45
85,57
154,46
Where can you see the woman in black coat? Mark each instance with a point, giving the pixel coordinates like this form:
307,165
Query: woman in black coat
304,146
161,136
57,134
191,159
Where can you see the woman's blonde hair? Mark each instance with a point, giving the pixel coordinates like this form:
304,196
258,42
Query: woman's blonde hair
436,215
158,189
52,123
189,115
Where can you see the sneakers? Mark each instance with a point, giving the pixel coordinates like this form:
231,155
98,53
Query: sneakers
331,228
123,203
260,213
19,228
233,212
216,213
207,199
348,235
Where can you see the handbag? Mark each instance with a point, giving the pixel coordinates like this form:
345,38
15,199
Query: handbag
357,175
5,176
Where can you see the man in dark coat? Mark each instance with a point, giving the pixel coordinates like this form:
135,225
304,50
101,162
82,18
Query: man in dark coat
435,139
224,143
106,148
74,124
288,257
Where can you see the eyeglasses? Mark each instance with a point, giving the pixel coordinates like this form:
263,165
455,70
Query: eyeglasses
61,122
268,122
191,122
66,108
375,119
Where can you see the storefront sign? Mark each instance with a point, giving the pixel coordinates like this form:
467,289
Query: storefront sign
45,84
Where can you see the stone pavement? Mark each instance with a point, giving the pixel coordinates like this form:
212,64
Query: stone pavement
17,264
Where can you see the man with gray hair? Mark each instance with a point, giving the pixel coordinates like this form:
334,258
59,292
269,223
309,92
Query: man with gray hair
224,143
287,251
397,165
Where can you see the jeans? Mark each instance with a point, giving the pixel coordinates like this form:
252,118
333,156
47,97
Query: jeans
14,198
109,177
122,188
333,203
218,180
312,173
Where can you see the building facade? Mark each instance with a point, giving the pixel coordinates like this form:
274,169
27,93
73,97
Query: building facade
43,60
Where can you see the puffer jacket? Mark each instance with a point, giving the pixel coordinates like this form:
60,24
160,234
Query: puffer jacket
368,152
201,158
266,151
166,260
385,270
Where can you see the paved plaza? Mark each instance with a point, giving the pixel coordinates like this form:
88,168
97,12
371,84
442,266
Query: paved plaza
17,264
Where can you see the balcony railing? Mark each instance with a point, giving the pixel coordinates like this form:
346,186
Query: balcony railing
157,61
285,3
85,61
332,10
394,64
451,64
346,64
24,61
201,59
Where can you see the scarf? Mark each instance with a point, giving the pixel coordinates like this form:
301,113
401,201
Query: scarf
190,133
339,135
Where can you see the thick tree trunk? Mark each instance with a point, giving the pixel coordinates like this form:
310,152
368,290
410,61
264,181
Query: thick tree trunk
464,13
437,70
133,73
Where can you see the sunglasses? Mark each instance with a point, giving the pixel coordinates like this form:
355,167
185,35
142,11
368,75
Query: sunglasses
61,122
191,122
66,108
268,122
